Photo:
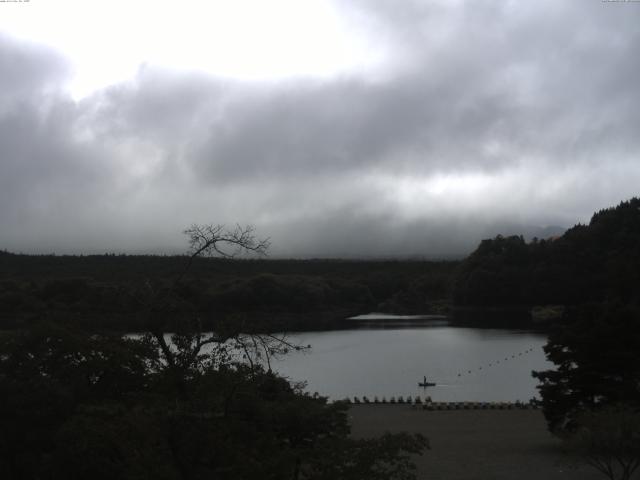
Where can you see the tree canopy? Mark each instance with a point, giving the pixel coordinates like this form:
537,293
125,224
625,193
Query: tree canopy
78,404
596,352
589,263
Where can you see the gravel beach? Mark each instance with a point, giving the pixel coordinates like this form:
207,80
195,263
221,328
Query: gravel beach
476,444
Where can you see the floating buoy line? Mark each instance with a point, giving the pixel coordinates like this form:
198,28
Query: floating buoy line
431,405
495,363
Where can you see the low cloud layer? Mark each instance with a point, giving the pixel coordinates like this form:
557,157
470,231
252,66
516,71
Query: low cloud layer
483,118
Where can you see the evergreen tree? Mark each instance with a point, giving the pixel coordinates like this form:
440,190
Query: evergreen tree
596,353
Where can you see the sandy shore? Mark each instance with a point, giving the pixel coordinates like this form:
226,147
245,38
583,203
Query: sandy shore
476,444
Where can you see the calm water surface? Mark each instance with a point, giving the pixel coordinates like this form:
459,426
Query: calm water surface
468,364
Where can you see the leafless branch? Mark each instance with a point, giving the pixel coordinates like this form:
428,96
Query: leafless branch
216,240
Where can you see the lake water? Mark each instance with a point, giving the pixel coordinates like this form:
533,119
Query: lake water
467,364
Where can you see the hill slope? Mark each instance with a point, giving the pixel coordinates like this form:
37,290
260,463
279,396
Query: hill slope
589,263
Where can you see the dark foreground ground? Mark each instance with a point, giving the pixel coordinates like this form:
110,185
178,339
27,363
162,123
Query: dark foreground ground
476,444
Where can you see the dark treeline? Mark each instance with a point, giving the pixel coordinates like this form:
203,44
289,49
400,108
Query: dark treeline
78,403
290,294
586,284
590,263
139,406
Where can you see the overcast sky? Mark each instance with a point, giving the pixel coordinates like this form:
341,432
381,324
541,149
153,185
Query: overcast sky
337,128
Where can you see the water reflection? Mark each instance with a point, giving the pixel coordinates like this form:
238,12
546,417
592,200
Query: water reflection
384,320
468,364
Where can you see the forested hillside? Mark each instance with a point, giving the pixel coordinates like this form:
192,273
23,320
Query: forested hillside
589,263
300,294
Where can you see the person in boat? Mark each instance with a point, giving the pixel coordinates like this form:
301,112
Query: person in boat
424,383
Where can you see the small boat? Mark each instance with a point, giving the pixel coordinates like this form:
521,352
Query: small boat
424,383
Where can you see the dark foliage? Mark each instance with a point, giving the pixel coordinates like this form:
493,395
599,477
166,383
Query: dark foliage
78,404
591,273
75,405
593,263
608,439
596,352
103,290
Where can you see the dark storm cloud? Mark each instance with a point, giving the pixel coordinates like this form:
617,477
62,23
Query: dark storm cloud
484,117
340,127
42,168
485,88
540,85
158,105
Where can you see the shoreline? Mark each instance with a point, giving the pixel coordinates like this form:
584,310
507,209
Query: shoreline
477,444
427,404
